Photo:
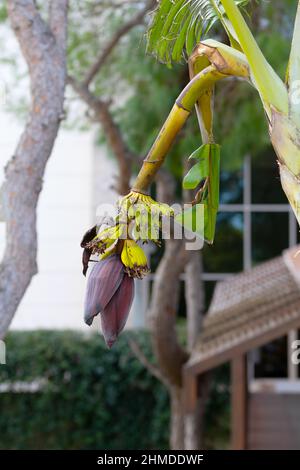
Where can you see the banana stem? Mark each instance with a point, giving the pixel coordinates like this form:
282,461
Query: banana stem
228,61
204,104
294,72
272,89
174,123
224,62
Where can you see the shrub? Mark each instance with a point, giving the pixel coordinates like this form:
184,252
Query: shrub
93,398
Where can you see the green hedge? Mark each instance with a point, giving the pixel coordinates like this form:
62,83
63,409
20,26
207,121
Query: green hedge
94,399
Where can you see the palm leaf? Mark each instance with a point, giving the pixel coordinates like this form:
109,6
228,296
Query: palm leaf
178,25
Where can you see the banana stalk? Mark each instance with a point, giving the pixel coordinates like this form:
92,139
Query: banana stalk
225,59
174,123
205,173
285,138
271,88
211,62
281,102
217,62
293,74
285,130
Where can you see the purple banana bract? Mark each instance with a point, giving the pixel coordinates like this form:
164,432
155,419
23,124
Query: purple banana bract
110,293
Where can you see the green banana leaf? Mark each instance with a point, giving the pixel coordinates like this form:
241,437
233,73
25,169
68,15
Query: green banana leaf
201,218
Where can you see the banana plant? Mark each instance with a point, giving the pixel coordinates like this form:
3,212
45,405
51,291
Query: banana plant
176,33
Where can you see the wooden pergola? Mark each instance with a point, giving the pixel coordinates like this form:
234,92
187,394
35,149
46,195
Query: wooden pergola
248,311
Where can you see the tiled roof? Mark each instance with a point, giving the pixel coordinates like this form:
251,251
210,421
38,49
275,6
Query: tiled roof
248,310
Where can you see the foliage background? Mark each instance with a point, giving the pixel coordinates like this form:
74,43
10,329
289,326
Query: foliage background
93,398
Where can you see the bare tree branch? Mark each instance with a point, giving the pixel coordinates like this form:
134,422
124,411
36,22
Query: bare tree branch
194,298
44,52
163,309
112,132
135,348
57,20
101,109
109,47
85,94
101,4
164,300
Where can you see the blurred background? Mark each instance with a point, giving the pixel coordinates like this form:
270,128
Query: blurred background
61,388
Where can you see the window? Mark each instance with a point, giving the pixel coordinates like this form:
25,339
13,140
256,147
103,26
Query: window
255,223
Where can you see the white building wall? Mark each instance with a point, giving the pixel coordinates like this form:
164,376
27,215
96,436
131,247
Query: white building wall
79,178
55,297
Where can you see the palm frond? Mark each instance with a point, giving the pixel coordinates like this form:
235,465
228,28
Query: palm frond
178,25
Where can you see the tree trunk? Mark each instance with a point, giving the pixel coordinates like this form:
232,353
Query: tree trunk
194,298
162,313
177,419
170,355
43,47
194,422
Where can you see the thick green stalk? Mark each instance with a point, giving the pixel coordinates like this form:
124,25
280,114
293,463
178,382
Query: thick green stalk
225,62
205,79
228,61
174,123
159,150
272,90
293,75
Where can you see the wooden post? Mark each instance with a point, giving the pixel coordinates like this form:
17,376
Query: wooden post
239,402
